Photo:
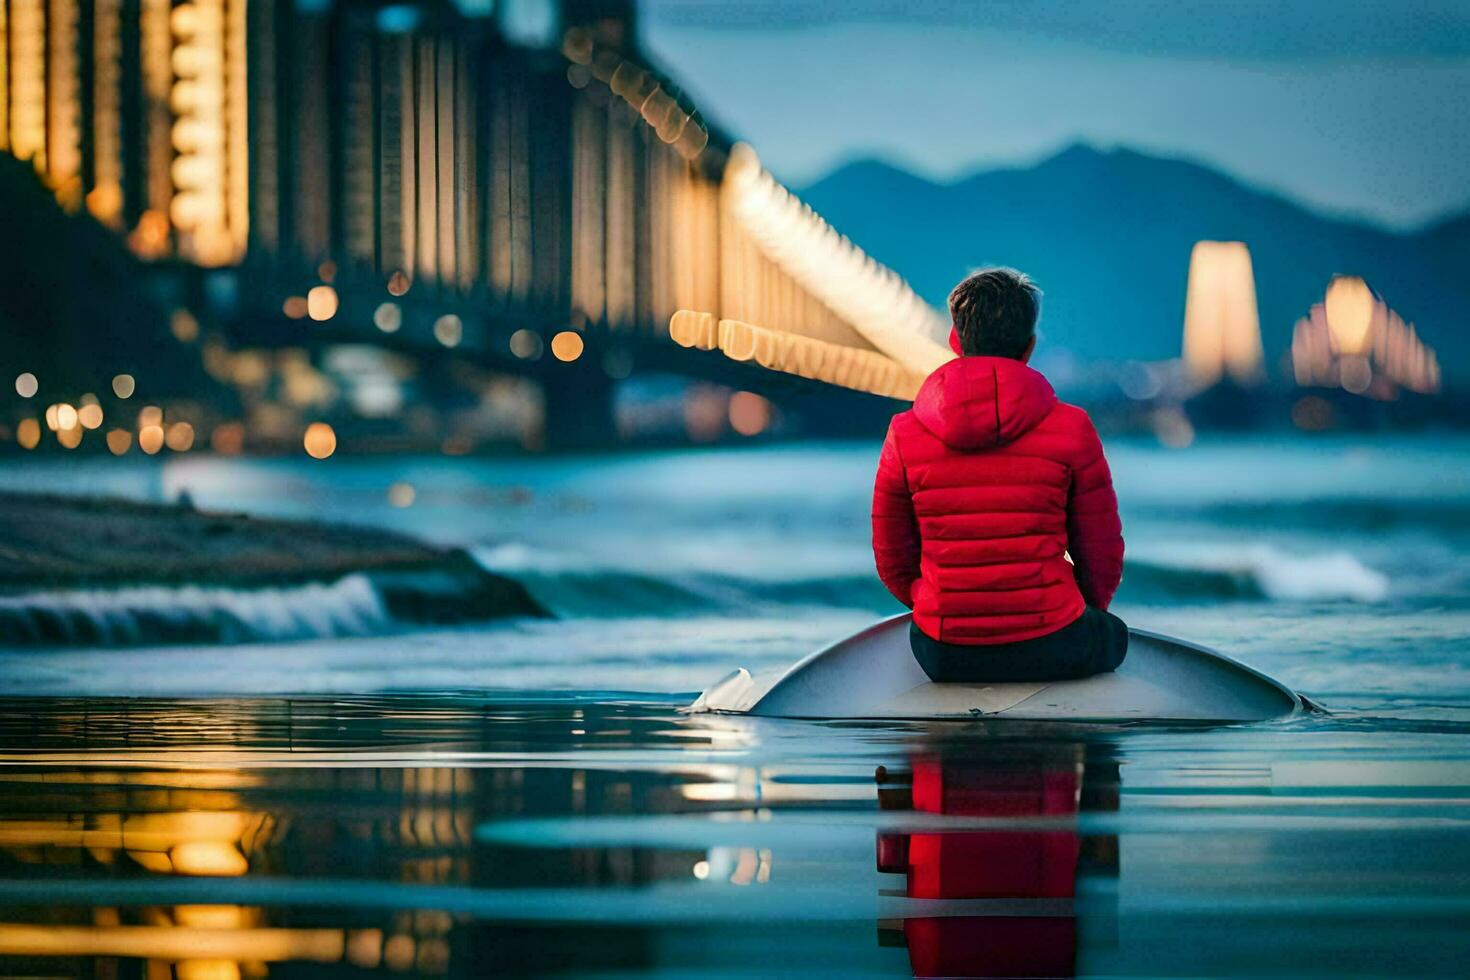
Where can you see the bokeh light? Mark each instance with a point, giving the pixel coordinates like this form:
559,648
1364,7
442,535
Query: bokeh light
90,416
119,441
567,345
180,437
750,414
26,385
320,440
321,303
1349,305
28,433
449,330
294,307
123,385
526,344
401,494
388,317
150,439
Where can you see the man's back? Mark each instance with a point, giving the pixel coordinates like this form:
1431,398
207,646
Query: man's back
983,488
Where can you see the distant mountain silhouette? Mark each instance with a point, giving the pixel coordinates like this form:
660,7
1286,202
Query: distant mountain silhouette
1107,234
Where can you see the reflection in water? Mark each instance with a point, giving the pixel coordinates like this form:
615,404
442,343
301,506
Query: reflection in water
1002,902
566,836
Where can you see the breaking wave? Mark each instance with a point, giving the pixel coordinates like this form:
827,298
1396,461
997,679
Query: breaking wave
455,590
511,580
1252,572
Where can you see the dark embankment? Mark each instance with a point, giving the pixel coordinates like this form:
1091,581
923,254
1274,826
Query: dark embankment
113,572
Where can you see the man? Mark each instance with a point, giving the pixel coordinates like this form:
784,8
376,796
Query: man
994,516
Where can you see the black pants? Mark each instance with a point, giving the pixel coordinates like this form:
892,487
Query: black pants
1096,643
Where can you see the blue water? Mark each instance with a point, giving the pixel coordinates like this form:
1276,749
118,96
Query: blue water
525,794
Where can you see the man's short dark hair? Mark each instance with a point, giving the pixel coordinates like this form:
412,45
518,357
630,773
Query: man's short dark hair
994,311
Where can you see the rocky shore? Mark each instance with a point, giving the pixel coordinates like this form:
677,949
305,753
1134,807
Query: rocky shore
70,567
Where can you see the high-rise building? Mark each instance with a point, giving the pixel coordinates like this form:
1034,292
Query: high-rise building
1222,328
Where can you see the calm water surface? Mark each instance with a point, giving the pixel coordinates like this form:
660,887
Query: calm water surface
526,799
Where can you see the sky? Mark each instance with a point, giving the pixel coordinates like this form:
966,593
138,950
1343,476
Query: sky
1352,107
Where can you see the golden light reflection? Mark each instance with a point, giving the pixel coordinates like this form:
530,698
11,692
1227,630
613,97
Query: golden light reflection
90,416
119,441
398,283
70,438
66,417
150,415
295,307
567,345
123,386
320,440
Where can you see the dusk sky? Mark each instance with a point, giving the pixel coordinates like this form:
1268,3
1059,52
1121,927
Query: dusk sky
1347,106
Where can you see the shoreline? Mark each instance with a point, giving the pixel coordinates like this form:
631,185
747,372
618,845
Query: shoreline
114,572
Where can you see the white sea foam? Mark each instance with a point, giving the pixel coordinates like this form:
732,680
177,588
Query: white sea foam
1275,573
351,606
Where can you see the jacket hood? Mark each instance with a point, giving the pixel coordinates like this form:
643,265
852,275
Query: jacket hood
976,402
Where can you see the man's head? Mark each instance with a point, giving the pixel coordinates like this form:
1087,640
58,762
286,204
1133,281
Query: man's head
994,312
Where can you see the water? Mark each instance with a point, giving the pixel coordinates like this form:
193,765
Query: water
524,797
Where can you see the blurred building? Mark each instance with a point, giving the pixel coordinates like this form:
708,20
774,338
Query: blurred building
417,177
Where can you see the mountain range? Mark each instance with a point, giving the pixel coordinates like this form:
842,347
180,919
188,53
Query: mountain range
1107,235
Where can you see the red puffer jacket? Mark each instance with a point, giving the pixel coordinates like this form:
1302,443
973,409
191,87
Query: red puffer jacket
983,488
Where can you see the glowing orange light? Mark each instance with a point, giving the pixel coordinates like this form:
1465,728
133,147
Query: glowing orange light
184,326
294,307
320,440
123,386
28,433
1349,306
321,303
70,438
150,415
119,441
26,385
401,494
208,857
228,439
567,345
1222,329
90,416
180,437
66,417
750,414
398,284
150,439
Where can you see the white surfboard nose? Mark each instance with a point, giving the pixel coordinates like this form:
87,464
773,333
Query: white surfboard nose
874,675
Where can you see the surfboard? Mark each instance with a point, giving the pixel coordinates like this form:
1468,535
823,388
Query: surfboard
873,675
